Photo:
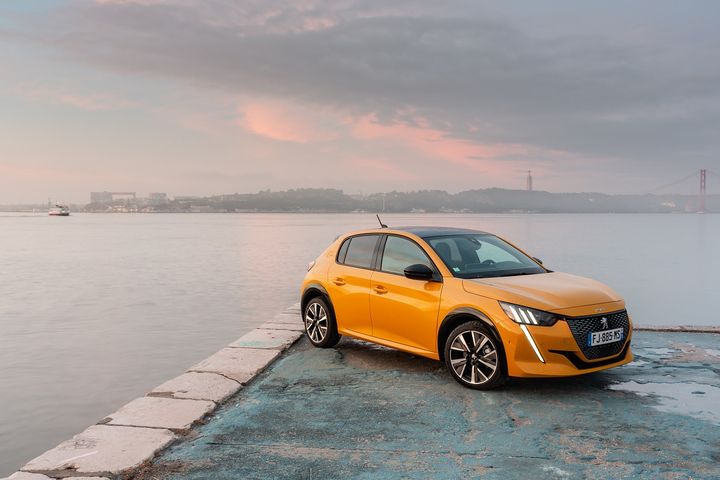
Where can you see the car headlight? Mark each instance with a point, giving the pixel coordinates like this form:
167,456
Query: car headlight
528,316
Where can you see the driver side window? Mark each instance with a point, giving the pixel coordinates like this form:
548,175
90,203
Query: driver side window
400,253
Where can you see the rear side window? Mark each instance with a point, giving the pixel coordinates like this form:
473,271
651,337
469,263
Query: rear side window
360,251
343,251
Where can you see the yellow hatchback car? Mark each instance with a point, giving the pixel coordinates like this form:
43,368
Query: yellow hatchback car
465,297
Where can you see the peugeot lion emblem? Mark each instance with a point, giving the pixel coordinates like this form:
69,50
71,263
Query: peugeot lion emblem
604,323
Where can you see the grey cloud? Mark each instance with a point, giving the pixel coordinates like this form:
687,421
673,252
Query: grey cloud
604,95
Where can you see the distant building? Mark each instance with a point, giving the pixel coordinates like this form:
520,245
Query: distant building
109,197
158,199
101,197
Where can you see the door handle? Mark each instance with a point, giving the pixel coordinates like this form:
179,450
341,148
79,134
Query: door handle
339,281
380,290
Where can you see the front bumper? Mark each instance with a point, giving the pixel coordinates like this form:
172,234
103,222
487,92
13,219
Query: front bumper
559,350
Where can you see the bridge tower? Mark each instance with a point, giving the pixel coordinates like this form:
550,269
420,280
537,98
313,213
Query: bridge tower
703,176
528,184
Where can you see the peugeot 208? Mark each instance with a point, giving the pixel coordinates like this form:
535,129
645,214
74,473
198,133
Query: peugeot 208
465,297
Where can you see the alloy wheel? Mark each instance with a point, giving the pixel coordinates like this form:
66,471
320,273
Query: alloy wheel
473,357
316,322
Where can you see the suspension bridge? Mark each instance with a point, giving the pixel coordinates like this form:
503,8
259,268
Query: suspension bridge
698,178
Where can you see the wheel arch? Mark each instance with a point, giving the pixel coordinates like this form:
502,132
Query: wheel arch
459,316
314,290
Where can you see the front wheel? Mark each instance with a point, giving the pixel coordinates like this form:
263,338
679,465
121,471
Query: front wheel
474,356
320,326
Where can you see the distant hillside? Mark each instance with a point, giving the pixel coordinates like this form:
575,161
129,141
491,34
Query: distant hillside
492,200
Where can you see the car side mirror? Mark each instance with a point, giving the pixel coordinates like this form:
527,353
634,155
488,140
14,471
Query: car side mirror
537,260
419,271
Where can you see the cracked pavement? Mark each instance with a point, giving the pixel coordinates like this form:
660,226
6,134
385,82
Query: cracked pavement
364,411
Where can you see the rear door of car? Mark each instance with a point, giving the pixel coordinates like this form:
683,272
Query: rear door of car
404,310
349,282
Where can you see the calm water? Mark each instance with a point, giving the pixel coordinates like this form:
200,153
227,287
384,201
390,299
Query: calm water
98,309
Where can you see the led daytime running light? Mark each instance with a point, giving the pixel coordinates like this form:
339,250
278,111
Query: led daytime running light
531,340
528,316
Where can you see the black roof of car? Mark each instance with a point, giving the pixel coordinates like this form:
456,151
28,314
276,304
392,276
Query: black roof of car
426,232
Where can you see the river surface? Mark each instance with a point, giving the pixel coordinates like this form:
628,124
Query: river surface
97,309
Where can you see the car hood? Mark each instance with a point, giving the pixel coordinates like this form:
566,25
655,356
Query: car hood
545,291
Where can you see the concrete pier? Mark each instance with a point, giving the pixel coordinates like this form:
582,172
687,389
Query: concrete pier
364,411
126,440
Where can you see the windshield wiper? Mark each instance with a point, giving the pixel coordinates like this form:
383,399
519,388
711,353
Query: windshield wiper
520,273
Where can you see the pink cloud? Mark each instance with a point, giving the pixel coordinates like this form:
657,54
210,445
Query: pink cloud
434,143
286,122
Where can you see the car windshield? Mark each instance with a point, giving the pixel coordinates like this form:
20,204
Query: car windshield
482,256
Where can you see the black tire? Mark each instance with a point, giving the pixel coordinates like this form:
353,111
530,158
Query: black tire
471,350
320,326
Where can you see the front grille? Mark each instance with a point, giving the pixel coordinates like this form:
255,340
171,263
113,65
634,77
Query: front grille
581,328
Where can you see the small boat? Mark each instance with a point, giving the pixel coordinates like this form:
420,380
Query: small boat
59,211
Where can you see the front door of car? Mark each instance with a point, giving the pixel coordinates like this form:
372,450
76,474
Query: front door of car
349,283
404,310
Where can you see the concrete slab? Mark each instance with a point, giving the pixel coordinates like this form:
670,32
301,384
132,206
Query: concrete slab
298,327
294,318
362,411
102,450
197,386
240,364
86,478
265,338
158,412
294,308
26,476
37,476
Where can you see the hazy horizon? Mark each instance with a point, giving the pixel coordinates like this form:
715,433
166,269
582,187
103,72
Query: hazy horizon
212,97
144,195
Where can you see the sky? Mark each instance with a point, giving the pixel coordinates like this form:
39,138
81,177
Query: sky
219,96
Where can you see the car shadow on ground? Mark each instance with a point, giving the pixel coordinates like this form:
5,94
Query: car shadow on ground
365,355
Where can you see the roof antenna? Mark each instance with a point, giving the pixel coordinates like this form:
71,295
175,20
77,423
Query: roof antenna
382,225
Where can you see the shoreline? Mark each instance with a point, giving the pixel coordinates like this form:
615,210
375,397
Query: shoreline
43,213
124,441
678,328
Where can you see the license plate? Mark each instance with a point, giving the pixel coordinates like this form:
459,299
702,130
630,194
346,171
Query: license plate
606,336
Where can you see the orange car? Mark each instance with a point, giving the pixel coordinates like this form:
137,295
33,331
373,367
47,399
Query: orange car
465,297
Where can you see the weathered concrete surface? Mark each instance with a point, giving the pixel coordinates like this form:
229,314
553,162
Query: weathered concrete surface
266,338
197,386
85,478
27,476
37,476
158,412
287,317
296,326
360,411
292,309
239,364
101,450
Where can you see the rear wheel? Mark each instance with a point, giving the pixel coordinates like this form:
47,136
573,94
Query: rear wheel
474,356
320,326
